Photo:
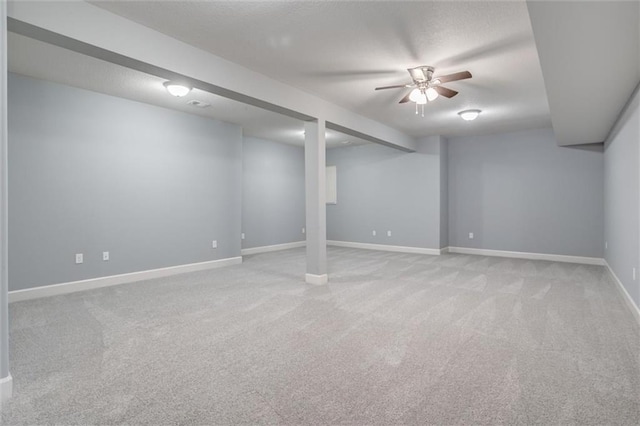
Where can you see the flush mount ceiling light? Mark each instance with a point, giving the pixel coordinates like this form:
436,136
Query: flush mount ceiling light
176,89
469,114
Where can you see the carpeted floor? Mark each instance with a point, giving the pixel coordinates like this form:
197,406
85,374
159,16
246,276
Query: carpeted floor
392,339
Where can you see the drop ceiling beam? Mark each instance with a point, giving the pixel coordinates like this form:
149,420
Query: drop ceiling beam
93,31
590,58
356,134
41,34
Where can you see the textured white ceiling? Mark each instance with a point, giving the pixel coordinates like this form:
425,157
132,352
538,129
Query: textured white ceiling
341,51
47,62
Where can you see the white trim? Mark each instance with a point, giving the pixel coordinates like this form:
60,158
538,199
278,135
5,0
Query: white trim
625,294
275,247
384,247
316,279
6,388
71,287
531,256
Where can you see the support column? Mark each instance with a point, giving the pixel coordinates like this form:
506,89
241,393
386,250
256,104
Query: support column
6,384
315,196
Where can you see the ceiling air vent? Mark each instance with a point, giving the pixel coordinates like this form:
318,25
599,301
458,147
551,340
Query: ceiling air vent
199,104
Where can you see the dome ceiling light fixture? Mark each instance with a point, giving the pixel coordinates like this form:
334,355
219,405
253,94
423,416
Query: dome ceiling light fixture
177,89
469,114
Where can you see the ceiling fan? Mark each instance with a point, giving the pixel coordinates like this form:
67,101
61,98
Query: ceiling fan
427,88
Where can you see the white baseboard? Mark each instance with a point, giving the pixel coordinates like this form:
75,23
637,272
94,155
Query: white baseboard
316,279
6,388
384,247
276,247
72,287
625,294
531,256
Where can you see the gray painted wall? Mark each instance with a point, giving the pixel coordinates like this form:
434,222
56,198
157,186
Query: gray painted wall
622,197
272,193
521,192
91,173
385,189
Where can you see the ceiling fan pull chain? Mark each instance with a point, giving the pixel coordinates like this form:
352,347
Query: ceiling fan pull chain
416,109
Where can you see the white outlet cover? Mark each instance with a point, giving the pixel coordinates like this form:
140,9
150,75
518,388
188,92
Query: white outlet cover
304,230
105,255
79,258
242,236
374,233
214,244
471,235
388,233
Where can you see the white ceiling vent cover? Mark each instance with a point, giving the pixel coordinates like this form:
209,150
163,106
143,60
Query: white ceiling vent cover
199,104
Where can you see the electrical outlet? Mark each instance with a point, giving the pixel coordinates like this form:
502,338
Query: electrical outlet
388,233
606,245
634,274
214,244
471,235
304,230
374,233
105,255
79,258
242,236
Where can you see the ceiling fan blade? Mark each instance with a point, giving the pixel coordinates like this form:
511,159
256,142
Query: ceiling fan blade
447,93
405,99
454,77
397,86
417,74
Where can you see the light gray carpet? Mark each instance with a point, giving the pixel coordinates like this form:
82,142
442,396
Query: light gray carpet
393,339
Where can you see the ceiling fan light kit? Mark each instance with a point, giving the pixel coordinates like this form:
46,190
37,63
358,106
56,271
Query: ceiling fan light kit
432,94
426,87
418,97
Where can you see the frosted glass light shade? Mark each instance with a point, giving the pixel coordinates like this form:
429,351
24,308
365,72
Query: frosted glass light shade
176,89
418,97
469,114
415,95
431,93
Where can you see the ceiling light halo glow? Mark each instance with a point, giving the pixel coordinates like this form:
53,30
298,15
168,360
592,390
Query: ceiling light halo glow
176,89
469,114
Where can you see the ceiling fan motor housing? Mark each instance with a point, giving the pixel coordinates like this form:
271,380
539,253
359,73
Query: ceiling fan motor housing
427,71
